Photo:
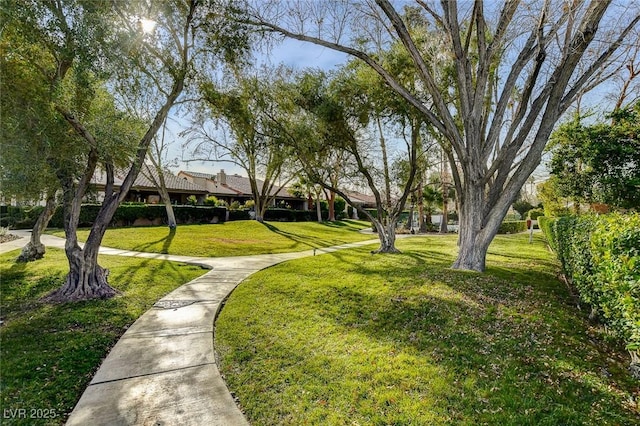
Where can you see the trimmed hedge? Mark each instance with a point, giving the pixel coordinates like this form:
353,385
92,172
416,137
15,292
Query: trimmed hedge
286,215
534,214
512,226
126,215
239,215
601,256
154,214
19,217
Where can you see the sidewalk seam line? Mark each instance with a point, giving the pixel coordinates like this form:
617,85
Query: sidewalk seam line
152,374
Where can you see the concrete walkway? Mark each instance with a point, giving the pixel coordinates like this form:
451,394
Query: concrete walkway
163,371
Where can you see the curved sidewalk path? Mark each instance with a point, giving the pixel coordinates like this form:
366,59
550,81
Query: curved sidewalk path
163,370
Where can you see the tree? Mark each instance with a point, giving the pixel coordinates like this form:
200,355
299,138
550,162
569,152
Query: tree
29,130
157,158
340,115
553,202
532,62
247,110
599,163
84,47
522,207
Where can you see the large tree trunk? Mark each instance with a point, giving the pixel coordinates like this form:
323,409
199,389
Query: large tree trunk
475,234
34,249
387,234
86,279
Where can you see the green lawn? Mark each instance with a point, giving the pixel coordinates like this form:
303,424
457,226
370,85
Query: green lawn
49,353
237,238
354,339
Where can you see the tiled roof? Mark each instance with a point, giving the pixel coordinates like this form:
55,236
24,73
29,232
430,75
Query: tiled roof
199,175
236,185
359,197
174,183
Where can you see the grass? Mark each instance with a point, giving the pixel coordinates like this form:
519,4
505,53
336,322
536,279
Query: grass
354,339
50,352
237,238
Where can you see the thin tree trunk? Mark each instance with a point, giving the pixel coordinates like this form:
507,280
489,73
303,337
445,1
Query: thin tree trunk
318,209
409,226
34,249
332,206
422,224
445,198
259,209
385,163
171,216
166,199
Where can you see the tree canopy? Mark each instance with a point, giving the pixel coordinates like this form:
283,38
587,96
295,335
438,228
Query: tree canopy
599,162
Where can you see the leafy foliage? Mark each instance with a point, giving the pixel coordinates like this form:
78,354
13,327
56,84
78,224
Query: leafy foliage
600,162
126,215
534,214
554,203
522,207
512,226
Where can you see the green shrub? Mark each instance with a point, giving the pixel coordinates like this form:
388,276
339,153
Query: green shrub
512,226
601,256
522,207
545,224
234,206
211,201
339,206
534,214
287,215
239,215
126,215
17,217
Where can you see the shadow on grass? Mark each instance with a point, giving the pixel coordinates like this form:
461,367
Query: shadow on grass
166,243
50,351
312,242
514,357
510,346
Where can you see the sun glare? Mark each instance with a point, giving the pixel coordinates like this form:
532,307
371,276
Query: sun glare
147,25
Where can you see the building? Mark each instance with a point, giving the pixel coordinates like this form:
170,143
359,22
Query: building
234,187
144,189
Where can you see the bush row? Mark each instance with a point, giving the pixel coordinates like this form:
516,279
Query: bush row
127,215
19,217
601,256
512,226
138,213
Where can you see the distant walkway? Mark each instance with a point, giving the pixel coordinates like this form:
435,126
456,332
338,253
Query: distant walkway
163,371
